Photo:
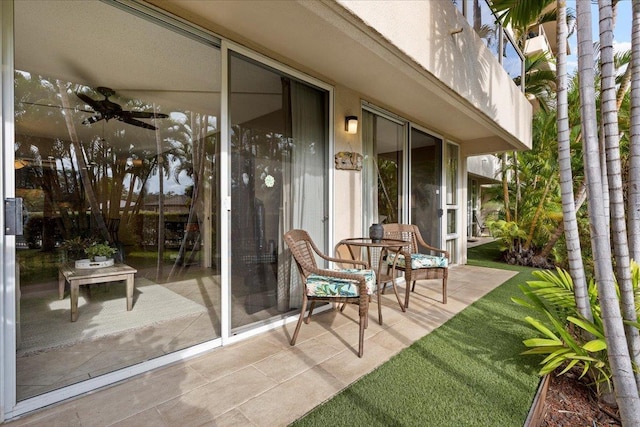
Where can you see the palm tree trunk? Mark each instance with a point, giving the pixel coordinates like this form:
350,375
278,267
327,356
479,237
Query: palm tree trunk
555,236
505,187
569,207
624,86
536,215
516,178
614,176
633,188
160,262
619,358
82,164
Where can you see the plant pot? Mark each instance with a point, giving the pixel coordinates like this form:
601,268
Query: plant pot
99,258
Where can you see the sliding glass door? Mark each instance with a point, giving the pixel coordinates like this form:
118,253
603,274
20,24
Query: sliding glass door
393,192
116,142
383,141
426,172
279,146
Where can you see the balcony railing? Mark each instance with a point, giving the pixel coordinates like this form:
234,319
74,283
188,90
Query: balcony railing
499,41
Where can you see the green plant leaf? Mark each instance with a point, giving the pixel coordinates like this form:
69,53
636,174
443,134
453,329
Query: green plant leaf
541,350
541,342
569,366
541,327
587,326
595,345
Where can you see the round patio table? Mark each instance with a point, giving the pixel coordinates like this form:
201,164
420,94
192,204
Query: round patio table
357,245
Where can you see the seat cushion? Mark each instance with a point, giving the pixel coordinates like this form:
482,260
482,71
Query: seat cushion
419,261
324,286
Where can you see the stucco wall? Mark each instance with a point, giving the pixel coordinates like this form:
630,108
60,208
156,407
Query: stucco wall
347,183
423,31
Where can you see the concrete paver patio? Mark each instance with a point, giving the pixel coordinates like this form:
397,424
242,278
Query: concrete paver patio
263,381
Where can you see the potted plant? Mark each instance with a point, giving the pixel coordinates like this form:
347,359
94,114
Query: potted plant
100,251
74,248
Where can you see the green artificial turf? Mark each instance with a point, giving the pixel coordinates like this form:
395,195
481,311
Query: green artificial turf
468,372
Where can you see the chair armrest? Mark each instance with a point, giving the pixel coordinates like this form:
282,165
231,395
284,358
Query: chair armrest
354,262
338,260
422,243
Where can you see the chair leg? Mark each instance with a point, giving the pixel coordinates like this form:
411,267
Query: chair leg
444,286
295,333
363,320
395,291
379,307
308,318
406,293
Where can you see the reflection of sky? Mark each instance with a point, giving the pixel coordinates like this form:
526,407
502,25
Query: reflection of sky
169,183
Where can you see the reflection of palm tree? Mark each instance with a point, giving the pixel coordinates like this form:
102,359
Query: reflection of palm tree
191,155
82,164
388,185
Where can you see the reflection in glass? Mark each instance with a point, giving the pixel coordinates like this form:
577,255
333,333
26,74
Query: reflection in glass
120,154
451,221
278,182
483,21
426,161
452,174
383,141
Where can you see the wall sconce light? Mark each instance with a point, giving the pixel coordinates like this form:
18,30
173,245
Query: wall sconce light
351,124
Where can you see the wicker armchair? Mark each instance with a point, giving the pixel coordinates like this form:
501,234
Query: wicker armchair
353,286
423,266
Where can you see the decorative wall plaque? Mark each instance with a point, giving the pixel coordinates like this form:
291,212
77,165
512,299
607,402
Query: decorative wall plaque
348,160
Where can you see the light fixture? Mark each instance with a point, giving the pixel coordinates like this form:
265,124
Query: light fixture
351,124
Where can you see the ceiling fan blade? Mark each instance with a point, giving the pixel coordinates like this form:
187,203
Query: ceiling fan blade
132,121
91,120
38,104
146,115
94,104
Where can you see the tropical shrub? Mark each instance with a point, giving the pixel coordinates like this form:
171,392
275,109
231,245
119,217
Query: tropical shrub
568,340
509,234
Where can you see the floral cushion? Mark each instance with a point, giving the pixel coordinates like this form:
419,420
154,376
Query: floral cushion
419,261
324,286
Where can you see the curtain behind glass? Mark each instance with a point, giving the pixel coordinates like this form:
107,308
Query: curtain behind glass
369,172
303,201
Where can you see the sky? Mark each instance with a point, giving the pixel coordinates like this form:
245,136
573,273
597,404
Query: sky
621,31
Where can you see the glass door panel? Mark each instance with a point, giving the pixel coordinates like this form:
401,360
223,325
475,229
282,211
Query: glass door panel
116,143
278,181
426,167
383,141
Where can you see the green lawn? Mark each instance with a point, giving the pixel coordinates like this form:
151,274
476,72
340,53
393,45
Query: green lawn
468,372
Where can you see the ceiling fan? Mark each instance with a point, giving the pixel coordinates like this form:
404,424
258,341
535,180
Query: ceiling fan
107,109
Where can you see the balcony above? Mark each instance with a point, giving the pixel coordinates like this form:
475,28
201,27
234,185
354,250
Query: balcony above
537,43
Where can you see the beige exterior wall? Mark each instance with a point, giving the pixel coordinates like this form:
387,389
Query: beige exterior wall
347,206
427,32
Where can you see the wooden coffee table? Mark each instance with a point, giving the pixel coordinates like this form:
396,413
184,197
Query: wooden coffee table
88,276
